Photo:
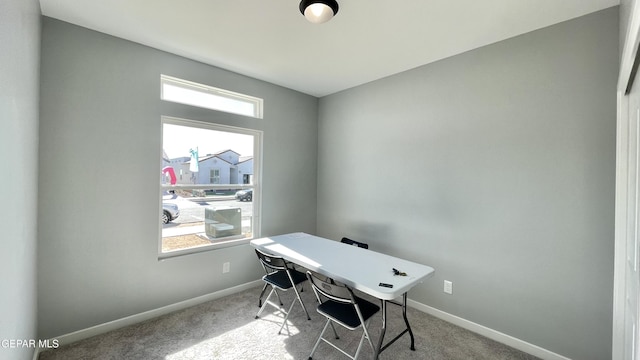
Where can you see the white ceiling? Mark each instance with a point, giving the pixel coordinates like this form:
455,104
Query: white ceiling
270,40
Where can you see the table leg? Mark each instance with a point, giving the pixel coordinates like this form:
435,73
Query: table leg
380,347
406,321
383,330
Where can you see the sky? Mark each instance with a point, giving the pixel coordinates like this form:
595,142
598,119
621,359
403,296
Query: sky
177,140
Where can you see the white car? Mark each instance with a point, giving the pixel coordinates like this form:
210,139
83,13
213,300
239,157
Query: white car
170,212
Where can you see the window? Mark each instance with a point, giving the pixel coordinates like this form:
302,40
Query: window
215,176
209,97
214,202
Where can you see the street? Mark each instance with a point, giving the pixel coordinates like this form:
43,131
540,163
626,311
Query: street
192,210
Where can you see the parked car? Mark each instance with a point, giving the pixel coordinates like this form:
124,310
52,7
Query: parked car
170,212
244,195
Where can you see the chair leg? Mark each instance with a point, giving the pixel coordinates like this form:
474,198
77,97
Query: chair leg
286,316
319,338
286,312
335,332
267,302
278,295
359,346
366,326
301,303
365,333
264,288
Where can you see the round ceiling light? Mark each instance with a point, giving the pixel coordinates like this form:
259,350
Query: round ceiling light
318,11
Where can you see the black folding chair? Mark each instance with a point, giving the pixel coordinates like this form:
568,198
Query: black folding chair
339,305
280,276
354,243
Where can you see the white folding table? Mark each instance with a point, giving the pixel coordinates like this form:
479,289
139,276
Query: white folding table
358,268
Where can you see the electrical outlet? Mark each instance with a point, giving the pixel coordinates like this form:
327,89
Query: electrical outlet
448,287
226,267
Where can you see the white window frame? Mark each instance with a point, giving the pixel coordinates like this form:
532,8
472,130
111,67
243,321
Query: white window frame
212,97
256,186
214,176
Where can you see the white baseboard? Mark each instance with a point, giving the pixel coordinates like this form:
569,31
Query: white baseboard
487,332
137,318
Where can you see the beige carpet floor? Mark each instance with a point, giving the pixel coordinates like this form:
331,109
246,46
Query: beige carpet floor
226,329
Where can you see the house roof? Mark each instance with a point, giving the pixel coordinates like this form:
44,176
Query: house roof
244,159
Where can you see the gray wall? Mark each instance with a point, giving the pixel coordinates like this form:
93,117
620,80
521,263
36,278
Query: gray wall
505,186
19,74
100,123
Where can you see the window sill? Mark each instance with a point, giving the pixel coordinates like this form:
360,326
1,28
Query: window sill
200,249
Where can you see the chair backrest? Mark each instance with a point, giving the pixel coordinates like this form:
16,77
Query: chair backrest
330,289
272,262
354,243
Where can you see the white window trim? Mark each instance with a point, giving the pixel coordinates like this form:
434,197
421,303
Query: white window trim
255,102
257,186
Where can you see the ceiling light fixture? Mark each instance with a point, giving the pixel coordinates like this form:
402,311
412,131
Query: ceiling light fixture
318,11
